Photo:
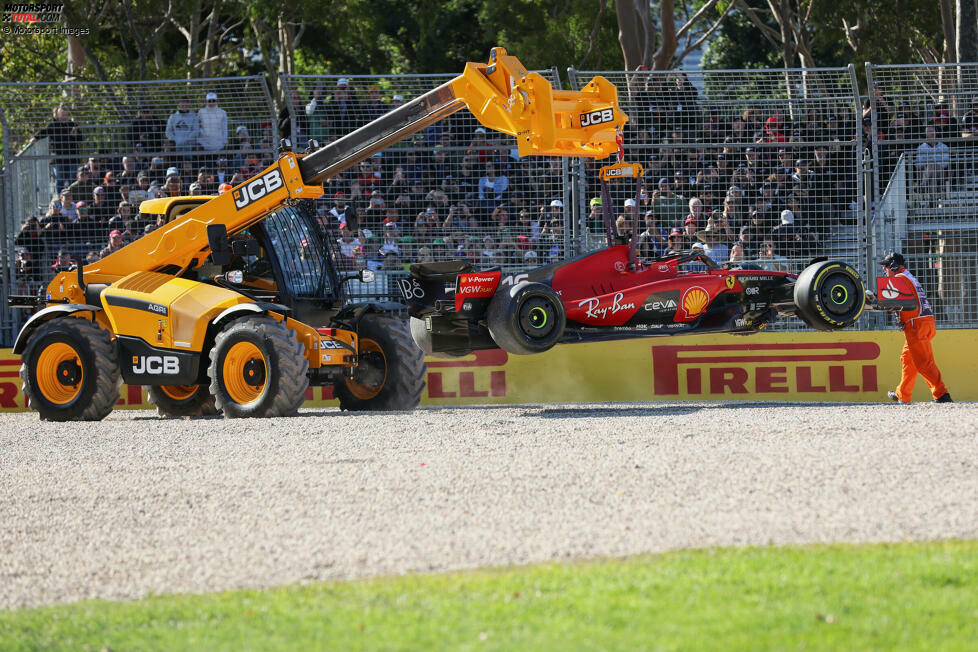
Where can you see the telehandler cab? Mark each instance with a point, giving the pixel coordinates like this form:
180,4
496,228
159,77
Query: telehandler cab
235,306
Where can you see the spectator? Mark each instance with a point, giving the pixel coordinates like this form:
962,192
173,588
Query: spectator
932,161
156,172
770,259
492,187
183,128
26,268
64,144
116,242
344,213
100,209
652,241
793,239
195,189
300,137
31,238
146,132
62,262
337,117
737,253
675,243
213,120
83,185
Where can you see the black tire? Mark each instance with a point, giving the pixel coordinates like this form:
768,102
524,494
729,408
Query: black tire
391,372
829,295
528,318
66,349
183,401
258,369
422,337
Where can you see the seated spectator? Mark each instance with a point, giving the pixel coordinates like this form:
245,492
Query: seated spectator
83,185
100,209
31,237
492,188
116,242
792,238
26,268
675,243
769,258
62,262
737,253
652,241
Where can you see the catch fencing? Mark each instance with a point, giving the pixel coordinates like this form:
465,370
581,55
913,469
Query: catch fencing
923,125
747,145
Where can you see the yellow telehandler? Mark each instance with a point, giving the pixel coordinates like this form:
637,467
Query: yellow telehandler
235,306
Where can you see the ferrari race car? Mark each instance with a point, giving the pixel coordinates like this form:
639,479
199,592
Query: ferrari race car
609,294
602,296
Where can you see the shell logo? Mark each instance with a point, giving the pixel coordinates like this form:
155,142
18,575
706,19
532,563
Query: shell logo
694,301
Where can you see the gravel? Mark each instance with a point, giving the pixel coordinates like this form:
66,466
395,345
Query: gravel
135,504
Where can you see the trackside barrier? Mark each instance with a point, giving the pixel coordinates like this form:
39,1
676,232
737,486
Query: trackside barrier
852,366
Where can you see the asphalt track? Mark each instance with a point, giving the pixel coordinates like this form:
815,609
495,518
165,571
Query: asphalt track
136,505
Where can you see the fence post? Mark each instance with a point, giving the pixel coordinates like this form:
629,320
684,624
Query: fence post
7,231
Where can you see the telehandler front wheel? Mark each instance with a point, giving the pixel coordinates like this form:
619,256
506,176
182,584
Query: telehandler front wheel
71,371
258,369
391,371
183,400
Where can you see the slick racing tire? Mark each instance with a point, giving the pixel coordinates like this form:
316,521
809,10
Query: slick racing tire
71,371
183,400
422,337
829,295
258,369
528,318
390,372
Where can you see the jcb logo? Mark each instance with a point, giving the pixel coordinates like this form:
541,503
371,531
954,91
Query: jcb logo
257,189
155,365
597,117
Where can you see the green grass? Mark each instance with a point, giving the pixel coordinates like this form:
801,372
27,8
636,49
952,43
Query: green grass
903,596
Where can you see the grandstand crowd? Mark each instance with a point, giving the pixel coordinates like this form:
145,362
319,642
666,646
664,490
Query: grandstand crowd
737,185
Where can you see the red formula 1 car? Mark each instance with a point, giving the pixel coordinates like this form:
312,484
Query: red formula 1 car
608,294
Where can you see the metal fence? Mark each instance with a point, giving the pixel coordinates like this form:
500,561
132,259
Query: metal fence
769,166
80,156
922,122
454,190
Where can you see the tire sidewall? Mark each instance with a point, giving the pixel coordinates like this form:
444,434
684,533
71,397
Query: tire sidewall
194,405
808,297
57,331
243,332
380,328
504,319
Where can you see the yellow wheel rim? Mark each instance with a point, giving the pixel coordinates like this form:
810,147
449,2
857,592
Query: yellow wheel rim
244,373
178,392
54,370
361,390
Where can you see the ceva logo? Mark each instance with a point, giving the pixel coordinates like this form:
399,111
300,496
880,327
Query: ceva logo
730,369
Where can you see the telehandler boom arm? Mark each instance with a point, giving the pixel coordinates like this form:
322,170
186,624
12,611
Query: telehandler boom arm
502,95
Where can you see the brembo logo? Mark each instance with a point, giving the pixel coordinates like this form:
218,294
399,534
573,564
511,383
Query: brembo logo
255,190
730,369
155,365
597,117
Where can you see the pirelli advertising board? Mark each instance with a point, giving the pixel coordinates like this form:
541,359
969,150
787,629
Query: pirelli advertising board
846,366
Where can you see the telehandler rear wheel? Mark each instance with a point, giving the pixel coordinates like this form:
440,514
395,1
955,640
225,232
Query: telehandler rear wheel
258,369
183,400
391,370
71,371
